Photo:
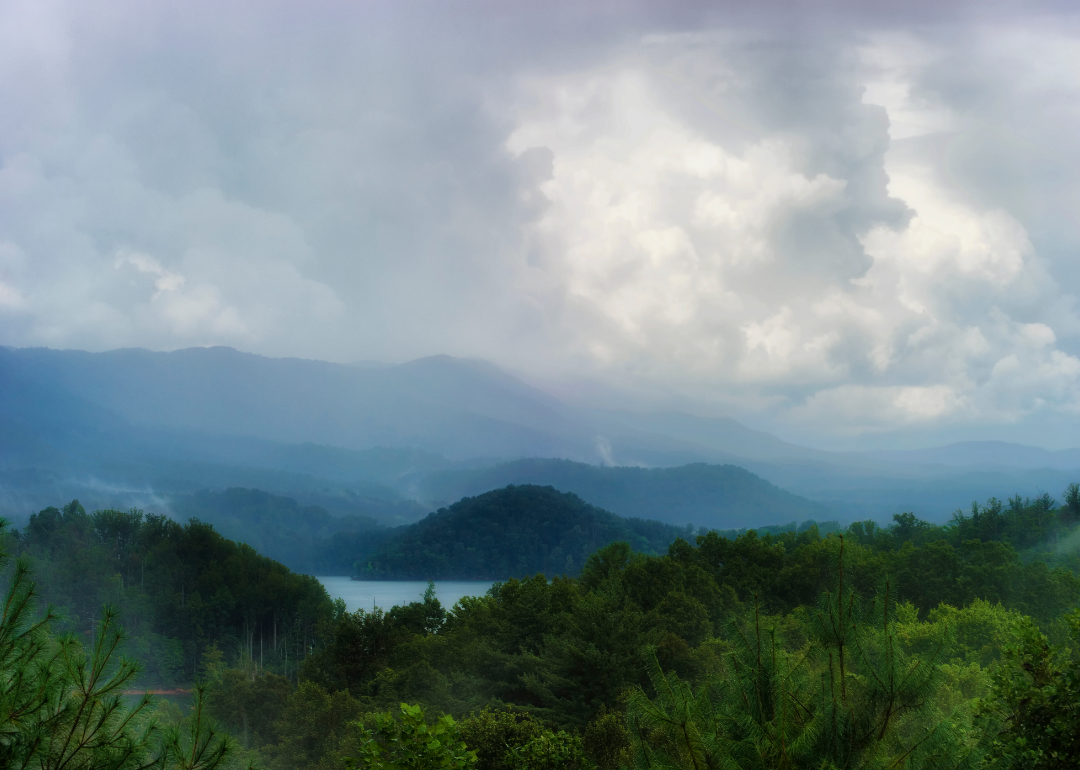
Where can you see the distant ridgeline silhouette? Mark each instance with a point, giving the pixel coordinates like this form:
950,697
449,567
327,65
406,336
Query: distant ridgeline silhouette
515,532
711,496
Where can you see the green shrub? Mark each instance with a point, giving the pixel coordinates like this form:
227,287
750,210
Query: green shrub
410,743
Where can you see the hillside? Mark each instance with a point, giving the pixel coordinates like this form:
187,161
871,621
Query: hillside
710,496
181,588
307,538
511,532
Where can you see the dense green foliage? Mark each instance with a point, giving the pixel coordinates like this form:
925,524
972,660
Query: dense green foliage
511,532
712,496
850,696
1036,700
181,589
747,649
754,643
875,647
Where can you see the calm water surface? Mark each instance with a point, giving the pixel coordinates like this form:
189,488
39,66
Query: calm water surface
365,594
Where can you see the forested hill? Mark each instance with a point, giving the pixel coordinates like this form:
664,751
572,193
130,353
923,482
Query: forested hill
516,531
710,496
181,589
309,540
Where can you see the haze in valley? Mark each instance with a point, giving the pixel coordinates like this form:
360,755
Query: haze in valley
379,256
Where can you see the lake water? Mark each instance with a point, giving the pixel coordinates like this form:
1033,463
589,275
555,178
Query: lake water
365,594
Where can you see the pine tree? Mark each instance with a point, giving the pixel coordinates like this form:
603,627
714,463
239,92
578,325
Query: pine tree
876,704
678,728
849,699
62,708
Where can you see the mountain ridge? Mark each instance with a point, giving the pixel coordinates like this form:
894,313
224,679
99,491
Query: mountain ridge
711,496
218,417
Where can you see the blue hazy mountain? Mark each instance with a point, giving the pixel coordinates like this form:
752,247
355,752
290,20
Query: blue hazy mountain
457,408
712,496
125,427
985,454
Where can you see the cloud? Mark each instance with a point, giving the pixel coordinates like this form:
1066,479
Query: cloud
848,279
165,281
860,408
860,222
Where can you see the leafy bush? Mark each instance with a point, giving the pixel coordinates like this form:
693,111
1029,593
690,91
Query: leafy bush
410,743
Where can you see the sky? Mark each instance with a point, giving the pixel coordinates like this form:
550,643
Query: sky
850,224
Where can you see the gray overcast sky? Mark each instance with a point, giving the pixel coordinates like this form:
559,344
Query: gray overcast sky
846,223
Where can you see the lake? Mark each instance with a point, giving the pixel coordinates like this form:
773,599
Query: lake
365,594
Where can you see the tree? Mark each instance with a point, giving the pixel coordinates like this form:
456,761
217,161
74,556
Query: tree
505,739
850,698
1071,509
606,742
311,725
194,744
61,707
1035,702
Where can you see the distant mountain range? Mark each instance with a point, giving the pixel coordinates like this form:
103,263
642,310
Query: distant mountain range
712,496
984,454
457,408
138,428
